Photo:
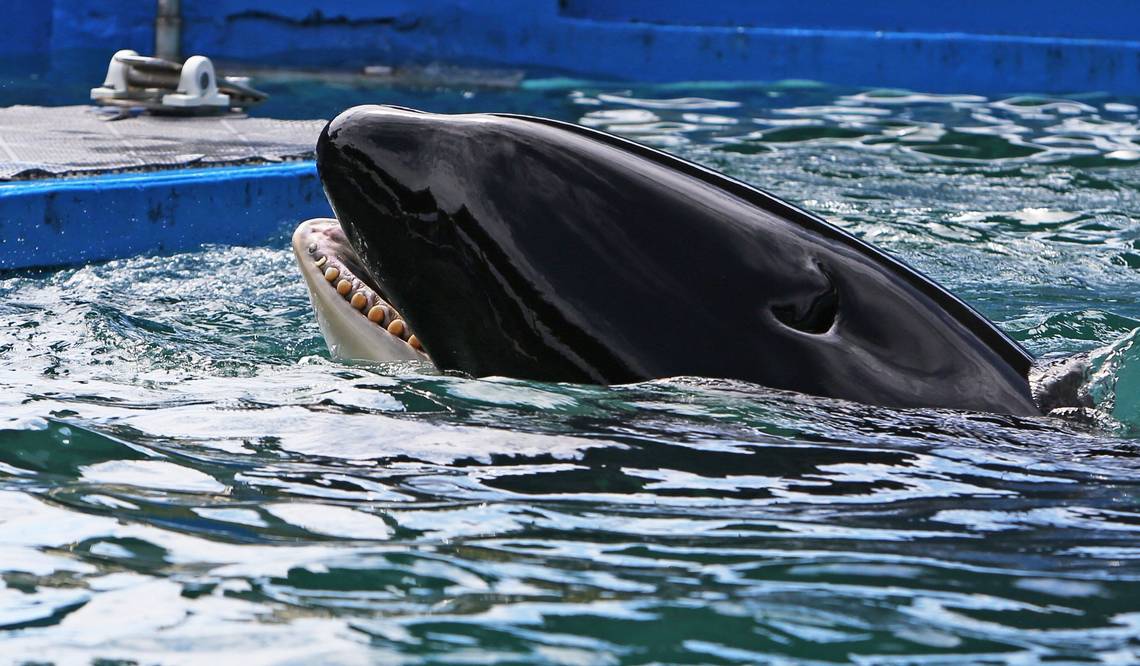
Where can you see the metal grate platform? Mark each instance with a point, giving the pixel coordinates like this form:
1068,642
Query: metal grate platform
52,142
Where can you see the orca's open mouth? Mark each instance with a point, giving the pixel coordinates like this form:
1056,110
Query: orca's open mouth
356,320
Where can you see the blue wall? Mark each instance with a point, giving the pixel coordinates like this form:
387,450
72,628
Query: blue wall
935,45
43,27
1102,19
27,28
104,25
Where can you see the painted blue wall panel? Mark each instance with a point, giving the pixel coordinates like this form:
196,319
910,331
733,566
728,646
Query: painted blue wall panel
60,222
338,33
107,25
936,45
940,45
27,26
1101,19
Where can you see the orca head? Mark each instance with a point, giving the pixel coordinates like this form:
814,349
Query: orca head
537,249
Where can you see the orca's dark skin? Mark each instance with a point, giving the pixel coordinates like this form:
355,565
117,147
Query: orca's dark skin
532,248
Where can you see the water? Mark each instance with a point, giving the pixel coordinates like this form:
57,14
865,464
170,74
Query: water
185,477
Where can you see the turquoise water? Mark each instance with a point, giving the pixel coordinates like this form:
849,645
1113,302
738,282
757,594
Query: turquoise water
185,477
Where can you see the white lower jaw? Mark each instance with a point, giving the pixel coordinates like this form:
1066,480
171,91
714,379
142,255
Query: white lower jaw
348,334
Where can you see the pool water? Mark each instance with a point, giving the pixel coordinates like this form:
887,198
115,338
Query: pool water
186,477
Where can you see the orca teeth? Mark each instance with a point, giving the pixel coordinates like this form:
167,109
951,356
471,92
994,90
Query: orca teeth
361,297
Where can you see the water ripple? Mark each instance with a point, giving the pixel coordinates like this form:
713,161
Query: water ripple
185,475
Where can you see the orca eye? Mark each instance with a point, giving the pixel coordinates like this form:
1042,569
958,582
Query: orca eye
819,315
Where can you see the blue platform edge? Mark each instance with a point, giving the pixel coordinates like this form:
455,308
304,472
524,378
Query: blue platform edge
974,46
59,222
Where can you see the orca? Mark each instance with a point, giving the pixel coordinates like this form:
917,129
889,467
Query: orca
517,246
